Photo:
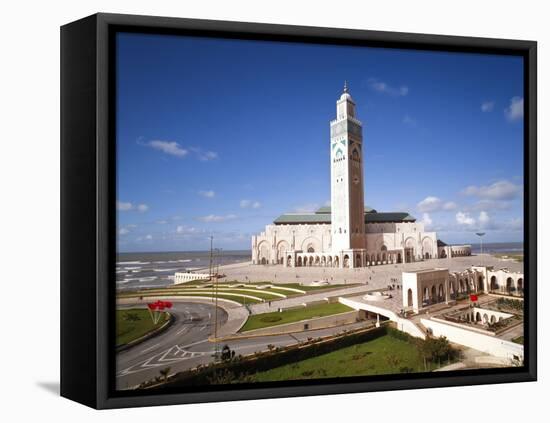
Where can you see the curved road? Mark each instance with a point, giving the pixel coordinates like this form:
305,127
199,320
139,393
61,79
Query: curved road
185,344
194,323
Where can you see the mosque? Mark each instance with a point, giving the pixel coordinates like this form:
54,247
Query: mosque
347,234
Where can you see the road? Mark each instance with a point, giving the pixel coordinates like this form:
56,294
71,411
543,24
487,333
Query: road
185,344
194,323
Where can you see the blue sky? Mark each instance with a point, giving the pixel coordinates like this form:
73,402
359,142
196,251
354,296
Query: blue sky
221,136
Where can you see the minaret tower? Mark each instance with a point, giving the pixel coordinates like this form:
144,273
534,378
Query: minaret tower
346,156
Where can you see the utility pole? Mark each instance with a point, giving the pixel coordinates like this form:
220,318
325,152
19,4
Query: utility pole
216,345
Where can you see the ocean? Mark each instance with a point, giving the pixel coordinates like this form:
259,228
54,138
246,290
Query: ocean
499,247
150,270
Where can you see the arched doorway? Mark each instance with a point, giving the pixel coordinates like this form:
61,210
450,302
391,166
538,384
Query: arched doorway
480,283
509,285
263,252
358,260
520,285
346,261
441,293
409,297
399,259
494,285
434,295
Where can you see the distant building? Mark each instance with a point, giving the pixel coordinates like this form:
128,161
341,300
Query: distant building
346,233
183,277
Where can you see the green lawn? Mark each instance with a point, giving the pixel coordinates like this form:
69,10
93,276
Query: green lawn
518,340
133,323
289,316
383,355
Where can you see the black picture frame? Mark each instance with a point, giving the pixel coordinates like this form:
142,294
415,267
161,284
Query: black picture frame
88,214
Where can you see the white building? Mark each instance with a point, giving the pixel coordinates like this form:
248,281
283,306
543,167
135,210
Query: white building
347,234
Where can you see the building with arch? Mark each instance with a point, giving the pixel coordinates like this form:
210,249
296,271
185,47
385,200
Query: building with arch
346,234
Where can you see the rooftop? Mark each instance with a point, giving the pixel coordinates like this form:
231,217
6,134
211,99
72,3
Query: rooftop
323,216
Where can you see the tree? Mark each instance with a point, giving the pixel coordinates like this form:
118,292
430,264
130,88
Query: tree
164,373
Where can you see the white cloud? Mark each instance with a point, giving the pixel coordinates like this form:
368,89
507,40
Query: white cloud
123,231
449,205
465,219
127,206
168,147
149,237
483,218
182,229
383,87
250,204
501,190
216,218
123,206
514,111
427,220
487,106
204,155
429,204
433,204
207,194
142,208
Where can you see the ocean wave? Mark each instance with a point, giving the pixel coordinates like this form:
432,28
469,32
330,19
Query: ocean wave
164,270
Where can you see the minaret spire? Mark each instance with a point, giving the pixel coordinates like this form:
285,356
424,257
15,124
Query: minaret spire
345,86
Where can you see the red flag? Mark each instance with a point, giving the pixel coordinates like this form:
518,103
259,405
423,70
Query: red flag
473,298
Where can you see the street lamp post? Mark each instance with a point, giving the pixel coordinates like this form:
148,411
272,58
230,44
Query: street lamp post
480,235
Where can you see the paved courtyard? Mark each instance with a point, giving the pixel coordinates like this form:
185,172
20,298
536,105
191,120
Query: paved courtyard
375,277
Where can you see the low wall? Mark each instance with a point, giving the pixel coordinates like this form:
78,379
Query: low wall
312,324
473,339
404,325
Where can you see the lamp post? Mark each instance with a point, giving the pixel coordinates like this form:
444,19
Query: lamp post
480,235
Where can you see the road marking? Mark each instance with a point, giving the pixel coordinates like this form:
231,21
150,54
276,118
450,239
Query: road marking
173,354
182,330
150,348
